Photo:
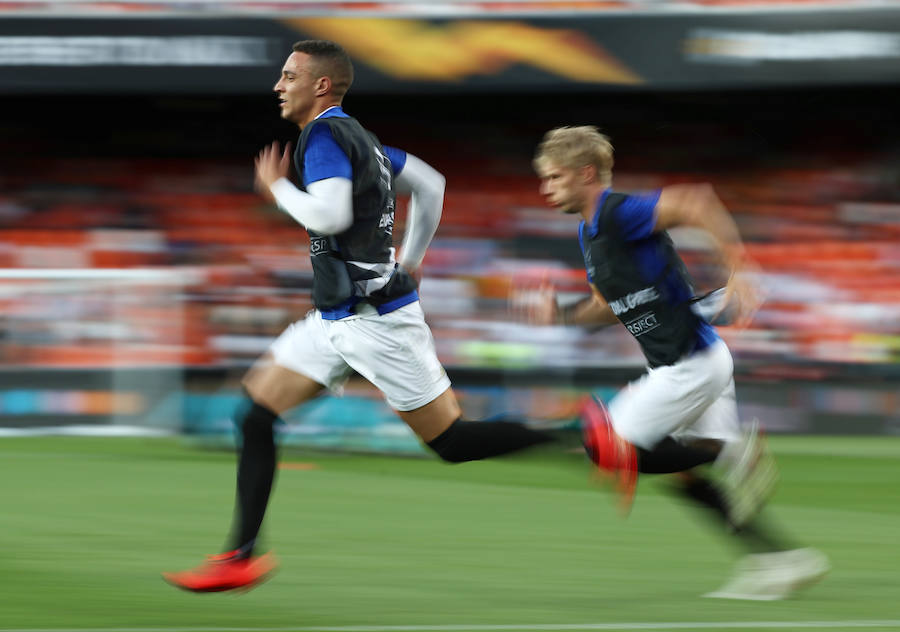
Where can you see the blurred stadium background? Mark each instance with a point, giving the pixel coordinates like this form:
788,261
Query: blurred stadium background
140,275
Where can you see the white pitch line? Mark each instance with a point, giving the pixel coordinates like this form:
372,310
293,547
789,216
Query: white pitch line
526,627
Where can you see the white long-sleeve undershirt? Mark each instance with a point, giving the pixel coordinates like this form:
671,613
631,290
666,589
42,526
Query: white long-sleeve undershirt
327,206
426,203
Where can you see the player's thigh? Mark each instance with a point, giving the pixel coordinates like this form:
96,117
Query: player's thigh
396,353
277,388
299,364
719,421
670,398
643,412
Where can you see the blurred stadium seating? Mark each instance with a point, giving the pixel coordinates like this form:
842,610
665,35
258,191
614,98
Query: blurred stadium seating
824,224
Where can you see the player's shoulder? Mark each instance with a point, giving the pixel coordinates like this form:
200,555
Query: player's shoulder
637,196
629,215
397,156
315,128
640,202
341,131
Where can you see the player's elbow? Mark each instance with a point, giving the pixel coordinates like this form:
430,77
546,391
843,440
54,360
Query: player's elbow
705,192
440,182
700,200
429,199
433,186
710,204
440,187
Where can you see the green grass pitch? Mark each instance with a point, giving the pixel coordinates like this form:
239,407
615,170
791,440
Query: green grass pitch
88,524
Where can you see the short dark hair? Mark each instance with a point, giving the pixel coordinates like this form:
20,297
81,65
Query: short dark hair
330,60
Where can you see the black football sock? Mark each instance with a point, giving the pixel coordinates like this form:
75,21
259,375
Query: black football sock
474,440
255,474
669,456
754,536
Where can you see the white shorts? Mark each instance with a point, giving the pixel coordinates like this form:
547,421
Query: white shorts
394,351
693,398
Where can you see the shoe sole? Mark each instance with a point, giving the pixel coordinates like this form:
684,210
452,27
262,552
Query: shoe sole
221,588
812,578
215,589
789,590
743,596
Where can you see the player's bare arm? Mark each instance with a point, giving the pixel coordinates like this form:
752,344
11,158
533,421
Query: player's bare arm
697,205
591,311
543,308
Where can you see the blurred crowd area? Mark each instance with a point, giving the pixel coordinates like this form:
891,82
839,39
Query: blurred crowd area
130,234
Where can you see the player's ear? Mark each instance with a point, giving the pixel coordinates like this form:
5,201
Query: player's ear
323,86
588,174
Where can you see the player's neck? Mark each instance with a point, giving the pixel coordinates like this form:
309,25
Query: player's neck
592,199
325,107
317,111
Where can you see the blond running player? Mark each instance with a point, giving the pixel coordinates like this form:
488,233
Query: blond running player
682,413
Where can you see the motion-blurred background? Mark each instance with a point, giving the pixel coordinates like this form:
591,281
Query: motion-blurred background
140,274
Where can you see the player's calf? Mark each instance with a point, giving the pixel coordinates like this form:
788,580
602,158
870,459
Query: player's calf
747,473
466,441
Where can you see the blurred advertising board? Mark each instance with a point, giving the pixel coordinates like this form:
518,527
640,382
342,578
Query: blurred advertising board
711,49
200,403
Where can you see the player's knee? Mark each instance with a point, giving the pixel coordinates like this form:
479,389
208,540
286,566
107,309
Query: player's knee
254,419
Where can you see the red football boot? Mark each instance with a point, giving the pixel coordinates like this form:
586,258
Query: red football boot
614,456
225,571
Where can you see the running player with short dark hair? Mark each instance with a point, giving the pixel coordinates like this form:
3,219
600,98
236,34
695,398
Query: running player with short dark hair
367,316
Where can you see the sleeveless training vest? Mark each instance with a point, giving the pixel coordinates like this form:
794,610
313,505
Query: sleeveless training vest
357,264
653,310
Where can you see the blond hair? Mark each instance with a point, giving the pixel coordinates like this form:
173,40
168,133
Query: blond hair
574,147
